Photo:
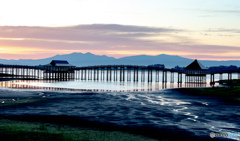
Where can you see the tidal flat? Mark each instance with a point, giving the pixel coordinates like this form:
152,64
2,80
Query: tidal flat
147,115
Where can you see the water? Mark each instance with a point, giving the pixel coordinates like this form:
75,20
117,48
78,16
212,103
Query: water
103,85
115,102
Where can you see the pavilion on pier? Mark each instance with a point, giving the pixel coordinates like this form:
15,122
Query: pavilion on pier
59,70
195,73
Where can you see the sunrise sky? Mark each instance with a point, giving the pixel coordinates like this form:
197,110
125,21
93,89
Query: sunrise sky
202,29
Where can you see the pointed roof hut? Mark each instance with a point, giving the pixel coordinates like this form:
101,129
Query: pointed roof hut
195,65
195,73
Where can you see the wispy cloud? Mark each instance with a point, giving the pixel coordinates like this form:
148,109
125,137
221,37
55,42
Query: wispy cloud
108,39
216,11
225,11
82,32
224,30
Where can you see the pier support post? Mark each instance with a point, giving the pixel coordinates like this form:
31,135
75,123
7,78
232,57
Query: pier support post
157,75
229,76
122,74
128,73
134,74
212,78
164,75
97,73
107,73
85,76
81,74
1,69
149,75
94,73
102,73
220,76
137,74
179,77
88,74
115,73
172,77
143,74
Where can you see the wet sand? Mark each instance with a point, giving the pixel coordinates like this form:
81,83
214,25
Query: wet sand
159,133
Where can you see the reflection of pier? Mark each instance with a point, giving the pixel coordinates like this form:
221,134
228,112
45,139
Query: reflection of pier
29,84
63,71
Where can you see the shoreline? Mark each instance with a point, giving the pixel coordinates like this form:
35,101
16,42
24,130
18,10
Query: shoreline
229,94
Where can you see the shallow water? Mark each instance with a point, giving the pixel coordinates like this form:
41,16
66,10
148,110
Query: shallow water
103,85
161,109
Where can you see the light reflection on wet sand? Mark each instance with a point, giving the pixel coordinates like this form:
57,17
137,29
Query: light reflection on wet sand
160,109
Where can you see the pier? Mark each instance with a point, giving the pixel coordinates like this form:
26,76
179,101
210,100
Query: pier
63,71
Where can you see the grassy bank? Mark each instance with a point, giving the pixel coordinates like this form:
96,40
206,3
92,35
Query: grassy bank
234,82
13,129
231,94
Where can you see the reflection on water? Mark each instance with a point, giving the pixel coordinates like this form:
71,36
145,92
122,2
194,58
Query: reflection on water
101,85
90,85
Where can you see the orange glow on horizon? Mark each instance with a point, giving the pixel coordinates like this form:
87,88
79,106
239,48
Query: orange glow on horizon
38,53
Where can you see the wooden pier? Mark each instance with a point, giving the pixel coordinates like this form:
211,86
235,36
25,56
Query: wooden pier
62,71
121,73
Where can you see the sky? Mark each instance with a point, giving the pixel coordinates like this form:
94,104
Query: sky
197,29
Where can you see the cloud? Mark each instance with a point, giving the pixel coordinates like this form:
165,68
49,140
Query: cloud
97,35
224,30
225,11
211,57
125,28
216,11
82,32
103,39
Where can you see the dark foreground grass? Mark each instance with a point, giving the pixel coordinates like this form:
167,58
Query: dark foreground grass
17,130
66,128
234,82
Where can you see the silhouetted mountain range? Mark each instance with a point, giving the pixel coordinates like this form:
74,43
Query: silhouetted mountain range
80,59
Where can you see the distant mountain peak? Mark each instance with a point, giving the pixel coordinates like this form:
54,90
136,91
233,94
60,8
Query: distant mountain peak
89,53
87,59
